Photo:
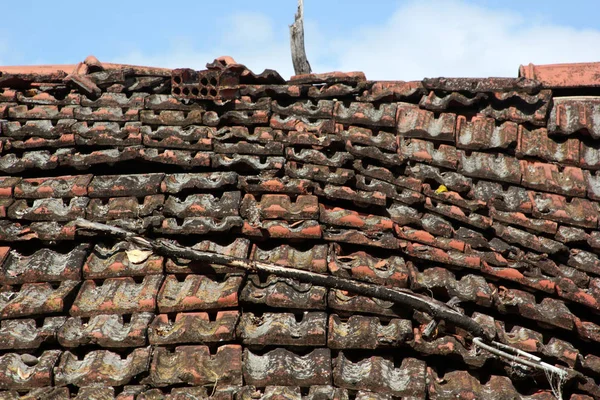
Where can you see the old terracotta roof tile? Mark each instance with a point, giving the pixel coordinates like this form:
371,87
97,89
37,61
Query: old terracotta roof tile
480,192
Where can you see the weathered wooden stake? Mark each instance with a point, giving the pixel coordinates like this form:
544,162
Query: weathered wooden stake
301,64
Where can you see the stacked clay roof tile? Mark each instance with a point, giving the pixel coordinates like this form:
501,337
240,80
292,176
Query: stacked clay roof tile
482,192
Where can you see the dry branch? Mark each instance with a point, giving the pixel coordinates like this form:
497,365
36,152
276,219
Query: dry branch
301,64
436,309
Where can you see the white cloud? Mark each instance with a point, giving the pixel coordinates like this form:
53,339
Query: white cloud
418,39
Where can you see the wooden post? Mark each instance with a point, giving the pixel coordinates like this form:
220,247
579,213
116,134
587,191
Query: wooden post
301,64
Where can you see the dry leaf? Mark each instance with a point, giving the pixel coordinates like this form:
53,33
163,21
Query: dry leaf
137,256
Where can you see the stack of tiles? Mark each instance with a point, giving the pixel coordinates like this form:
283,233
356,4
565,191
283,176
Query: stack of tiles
484,190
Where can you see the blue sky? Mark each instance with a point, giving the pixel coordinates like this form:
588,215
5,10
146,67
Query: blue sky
387,39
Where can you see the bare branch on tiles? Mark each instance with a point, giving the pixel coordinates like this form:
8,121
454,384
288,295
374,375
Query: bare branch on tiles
437,309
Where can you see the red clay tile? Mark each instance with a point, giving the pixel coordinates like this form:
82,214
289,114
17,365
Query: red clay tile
193,327
321,173
113,262
562,75
497,167
286,368
195,365
63,186
537,143
380,375
283,293
44,265
441,155
34,299
25,334
125,185
101,367
279,206
116,296
29,376
329,78
312,259
108,330
417,123
366,332
283,329
374,153
569,181
198,292
365,114
481,133
368,137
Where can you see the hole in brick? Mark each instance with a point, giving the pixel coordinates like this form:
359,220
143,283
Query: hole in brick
195,91
213,81
213,92
177,90
204,91
204,81
186,91
54,285
177,79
